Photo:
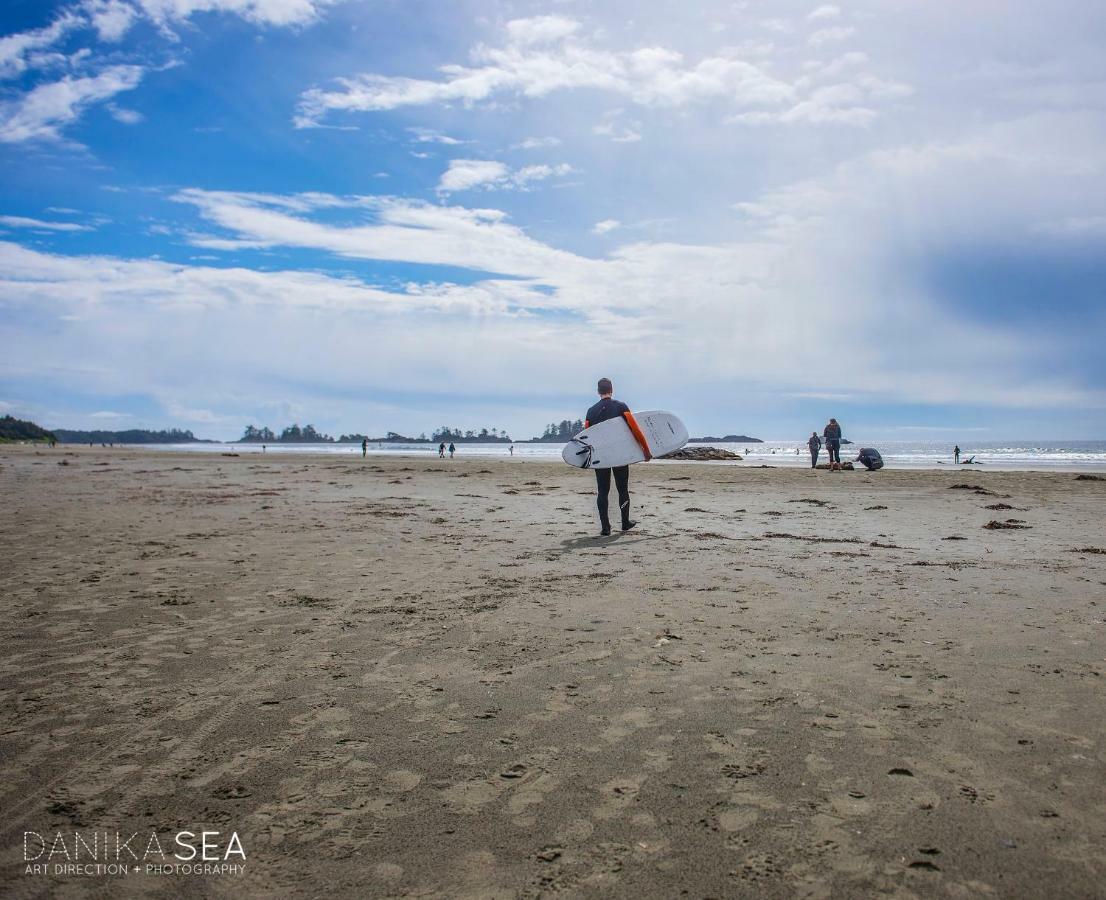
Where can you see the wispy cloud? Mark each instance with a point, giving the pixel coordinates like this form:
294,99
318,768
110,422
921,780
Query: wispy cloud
830,35
545,55
433,136
826,11
260,12
43,111
467,174
24,222
536,143
45,108
16,50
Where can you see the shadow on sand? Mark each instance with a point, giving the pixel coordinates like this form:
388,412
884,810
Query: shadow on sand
622,538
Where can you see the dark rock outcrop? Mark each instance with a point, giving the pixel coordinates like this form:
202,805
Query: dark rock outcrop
702,454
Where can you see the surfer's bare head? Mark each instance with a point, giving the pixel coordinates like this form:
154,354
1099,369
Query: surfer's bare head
605,387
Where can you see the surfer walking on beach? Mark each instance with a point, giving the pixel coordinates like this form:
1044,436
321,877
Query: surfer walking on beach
832,435
609,408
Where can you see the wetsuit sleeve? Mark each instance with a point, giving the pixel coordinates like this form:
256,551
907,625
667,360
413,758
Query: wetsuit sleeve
635,429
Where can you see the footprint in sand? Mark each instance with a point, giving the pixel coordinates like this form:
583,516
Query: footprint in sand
617,795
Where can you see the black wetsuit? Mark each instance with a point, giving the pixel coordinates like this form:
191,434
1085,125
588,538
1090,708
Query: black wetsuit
605,409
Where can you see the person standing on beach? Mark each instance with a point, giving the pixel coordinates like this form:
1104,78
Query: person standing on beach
452,449
441,450
832,435
512,449
956,454
815,445
364,447
609,408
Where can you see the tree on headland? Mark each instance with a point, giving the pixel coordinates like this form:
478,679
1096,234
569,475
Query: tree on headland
293,434
258,434
562,431
13,429
130,436
484,435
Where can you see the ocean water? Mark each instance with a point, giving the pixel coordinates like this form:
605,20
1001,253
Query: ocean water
1052,455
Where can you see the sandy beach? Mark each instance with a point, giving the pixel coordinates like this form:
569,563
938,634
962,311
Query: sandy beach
409,677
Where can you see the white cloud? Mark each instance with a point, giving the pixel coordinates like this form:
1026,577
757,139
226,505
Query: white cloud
524,66
125,116
619,131
16,49
605,227
826,11
40,113
837,66
408,231
845,103
24,222
830,35
466,174
432,136
535,143
259,12
540,30
111,18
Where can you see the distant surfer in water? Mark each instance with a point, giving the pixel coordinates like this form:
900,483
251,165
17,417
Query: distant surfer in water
609,408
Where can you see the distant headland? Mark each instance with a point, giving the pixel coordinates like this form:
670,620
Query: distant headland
12,429
293,434
130,436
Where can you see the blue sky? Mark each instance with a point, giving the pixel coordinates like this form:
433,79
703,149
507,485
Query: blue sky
376,215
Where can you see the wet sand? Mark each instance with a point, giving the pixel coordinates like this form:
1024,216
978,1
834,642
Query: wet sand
403,677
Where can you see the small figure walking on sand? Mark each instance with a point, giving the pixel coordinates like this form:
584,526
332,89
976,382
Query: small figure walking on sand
452,449
815,445
956,454
441,450
364,447
832,435
512,449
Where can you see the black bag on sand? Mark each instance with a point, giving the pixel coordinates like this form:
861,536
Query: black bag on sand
870,459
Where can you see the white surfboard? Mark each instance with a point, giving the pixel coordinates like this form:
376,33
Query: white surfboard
611,443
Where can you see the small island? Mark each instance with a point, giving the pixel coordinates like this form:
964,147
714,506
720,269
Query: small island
728,439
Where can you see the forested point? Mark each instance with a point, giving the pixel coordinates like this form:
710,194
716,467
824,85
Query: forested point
13,429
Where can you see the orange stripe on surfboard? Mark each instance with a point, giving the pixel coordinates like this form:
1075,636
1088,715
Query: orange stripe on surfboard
639,436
